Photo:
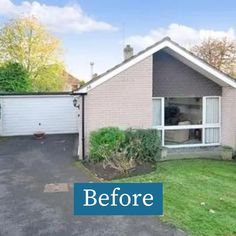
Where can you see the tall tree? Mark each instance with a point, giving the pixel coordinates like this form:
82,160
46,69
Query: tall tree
14,78
27,42
220,53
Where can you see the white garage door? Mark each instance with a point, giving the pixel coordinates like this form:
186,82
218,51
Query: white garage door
24,115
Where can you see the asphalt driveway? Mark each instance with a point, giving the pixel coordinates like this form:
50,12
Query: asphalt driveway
26,166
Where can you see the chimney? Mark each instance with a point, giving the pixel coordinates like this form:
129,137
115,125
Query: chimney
128,52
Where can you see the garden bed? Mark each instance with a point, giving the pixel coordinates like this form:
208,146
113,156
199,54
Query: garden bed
116,153
109,173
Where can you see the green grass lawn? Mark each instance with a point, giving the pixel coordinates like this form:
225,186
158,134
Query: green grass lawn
187,184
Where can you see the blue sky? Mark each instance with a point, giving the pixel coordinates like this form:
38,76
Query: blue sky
94,30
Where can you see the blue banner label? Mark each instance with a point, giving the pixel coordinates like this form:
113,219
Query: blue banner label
118,199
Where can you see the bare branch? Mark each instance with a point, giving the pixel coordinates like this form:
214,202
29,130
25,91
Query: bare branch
220,53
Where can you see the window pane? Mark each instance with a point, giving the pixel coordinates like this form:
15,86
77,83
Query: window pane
156,103
183,136
212,135
212,110
183,111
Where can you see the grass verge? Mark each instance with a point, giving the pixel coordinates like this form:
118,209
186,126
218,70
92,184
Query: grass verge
199,195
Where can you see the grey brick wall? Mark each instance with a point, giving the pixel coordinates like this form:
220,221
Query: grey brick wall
173,78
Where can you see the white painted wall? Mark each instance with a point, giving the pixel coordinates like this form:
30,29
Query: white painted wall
24,115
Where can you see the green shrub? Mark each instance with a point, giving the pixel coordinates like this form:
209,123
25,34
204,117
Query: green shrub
14,78
146,144
119,161
121,149
104,142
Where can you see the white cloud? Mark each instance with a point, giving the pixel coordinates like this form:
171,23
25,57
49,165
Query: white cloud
184,35
70,18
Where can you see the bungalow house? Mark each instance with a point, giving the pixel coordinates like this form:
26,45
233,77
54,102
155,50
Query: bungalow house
163,87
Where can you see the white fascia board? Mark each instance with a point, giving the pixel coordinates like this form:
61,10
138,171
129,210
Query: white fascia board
34,96
150,52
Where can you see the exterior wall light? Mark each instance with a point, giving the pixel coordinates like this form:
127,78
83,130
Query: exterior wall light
76,103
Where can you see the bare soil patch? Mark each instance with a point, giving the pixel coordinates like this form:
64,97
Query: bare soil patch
109,173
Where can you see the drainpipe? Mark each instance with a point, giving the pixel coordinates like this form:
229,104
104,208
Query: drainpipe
83,139
82,119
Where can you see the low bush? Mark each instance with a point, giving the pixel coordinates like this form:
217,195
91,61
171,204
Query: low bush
146,144
121,149
104,142
119,161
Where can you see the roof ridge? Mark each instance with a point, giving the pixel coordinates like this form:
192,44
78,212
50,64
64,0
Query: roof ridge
125,61
165,39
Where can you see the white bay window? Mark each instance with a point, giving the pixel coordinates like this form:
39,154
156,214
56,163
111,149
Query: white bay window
187,121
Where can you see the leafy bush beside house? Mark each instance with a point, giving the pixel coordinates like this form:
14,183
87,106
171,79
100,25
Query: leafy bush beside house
146,144
14,78
104,142
113,146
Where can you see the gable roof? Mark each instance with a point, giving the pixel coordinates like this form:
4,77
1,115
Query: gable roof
173,49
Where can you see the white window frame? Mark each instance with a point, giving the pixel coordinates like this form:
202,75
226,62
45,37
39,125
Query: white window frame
202,126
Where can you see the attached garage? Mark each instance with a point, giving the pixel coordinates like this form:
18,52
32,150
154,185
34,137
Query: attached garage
26,114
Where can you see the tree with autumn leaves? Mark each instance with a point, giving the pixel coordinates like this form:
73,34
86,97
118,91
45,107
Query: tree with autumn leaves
218,52
26,46
31,57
